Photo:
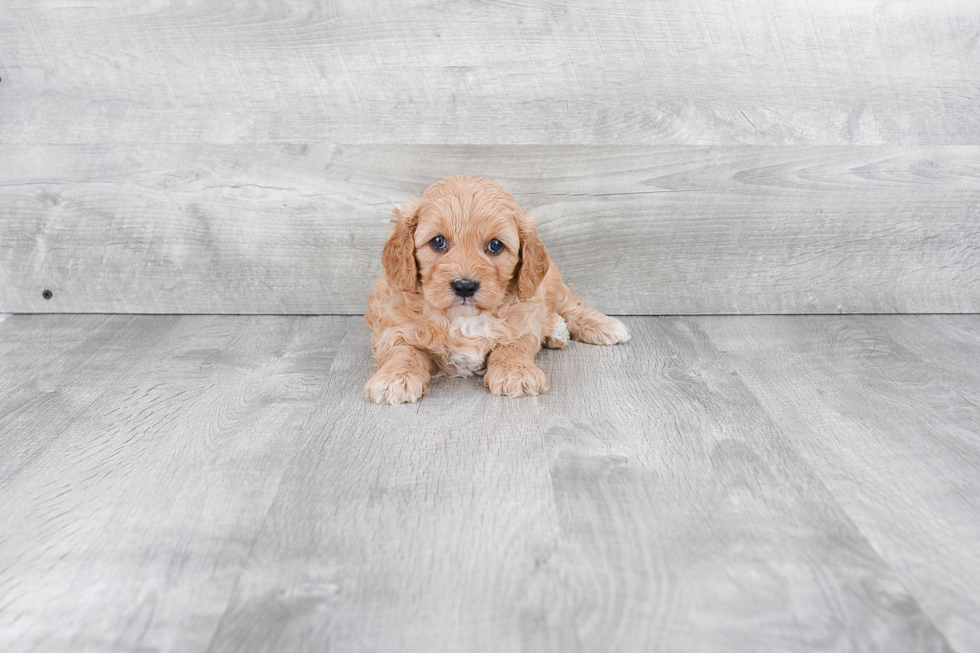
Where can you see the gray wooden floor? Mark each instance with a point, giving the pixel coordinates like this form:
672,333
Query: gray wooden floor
718,484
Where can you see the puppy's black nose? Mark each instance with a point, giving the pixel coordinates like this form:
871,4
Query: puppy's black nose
465,287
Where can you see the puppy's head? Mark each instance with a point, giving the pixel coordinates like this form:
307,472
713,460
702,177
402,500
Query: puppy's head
465,243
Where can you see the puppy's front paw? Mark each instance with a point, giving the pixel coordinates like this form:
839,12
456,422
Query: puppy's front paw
388,387
515,379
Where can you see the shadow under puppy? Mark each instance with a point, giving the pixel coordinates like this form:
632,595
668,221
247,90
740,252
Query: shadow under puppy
468,288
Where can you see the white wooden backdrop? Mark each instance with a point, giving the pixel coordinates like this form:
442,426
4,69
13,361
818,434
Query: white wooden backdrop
738,156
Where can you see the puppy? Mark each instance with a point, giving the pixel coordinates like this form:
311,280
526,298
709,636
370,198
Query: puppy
468,288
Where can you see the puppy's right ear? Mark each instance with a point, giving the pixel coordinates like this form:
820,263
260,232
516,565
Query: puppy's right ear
398,255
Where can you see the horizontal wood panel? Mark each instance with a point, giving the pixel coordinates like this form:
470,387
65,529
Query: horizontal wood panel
774,72
284,228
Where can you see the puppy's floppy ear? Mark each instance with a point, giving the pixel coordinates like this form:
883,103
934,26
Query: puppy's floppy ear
534,260
398,255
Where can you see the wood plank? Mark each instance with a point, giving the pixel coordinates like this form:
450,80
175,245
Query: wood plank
54,369
298,229
893,438
646,503
128,530
775,72
950,343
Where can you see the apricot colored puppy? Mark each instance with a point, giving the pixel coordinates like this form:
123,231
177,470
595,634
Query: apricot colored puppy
468,288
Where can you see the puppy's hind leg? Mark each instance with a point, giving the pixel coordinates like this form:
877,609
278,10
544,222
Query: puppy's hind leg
558,334
587,324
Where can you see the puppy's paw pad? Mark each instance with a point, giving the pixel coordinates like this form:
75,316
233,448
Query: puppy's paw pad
515,380
387,388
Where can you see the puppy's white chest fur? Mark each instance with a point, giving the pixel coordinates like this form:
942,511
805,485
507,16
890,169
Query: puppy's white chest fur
468,363
475,333
471,326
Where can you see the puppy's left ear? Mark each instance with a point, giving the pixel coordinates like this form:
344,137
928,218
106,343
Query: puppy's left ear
398,256
534,260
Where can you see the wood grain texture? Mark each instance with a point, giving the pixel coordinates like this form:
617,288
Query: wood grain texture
288,228
696,73
215,483
683,158
645,503
410,529
950,344
886,410
41,399
139,457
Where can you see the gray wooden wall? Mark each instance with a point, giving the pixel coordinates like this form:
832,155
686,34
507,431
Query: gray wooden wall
736,156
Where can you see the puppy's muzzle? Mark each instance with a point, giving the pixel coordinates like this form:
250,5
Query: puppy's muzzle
464,288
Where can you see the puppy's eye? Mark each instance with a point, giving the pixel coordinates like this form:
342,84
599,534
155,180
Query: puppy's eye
495,246
438,243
